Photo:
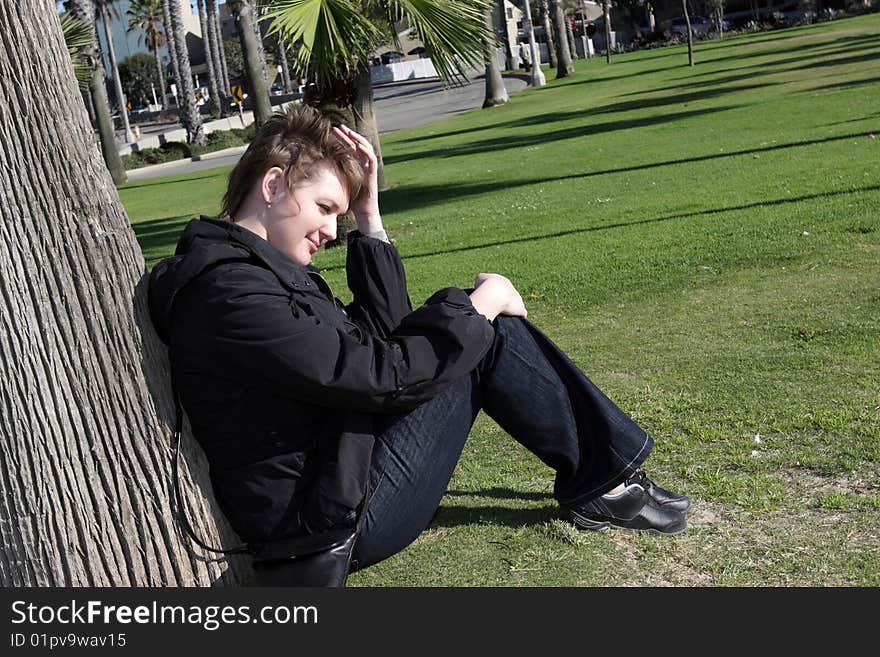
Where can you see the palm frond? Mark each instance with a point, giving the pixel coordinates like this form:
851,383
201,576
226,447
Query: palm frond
453,31
336,37
77,34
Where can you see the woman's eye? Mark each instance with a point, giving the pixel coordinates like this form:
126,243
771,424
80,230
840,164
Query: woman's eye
325,208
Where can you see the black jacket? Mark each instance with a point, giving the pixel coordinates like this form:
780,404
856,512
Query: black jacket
281,381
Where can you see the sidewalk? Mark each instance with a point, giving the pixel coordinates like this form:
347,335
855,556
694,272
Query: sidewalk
227,156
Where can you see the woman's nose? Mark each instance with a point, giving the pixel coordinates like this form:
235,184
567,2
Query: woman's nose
328,230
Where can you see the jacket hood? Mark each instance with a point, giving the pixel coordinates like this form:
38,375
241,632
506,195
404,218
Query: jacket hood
205,243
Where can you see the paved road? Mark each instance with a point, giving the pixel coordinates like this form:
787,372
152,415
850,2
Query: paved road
397,106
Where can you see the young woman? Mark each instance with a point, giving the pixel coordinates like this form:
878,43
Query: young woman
316,415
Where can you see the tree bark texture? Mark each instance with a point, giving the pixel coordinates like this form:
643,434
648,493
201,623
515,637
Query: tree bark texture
564,66
258,35
496,92
213,88
285,67
572,48
364,111
254,70
214,40
159,67
190,118
221,49
549,37
85,399
170,37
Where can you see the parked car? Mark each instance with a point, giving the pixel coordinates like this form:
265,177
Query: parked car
678,26
391,56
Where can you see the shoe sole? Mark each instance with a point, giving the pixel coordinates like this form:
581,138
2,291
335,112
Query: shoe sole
580,522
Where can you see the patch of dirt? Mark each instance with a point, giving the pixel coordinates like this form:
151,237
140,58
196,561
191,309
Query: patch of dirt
807,485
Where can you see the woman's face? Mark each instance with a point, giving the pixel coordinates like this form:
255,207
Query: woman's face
299,222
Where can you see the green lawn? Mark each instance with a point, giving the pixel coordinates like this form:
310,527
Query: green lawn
705,243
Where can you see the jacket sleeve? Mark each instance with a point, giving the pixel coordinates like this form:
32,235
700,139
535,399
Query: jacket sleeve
378,282
261,336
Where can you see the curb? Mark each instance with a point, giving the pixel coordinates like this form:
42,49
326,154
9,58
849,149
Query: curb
235,150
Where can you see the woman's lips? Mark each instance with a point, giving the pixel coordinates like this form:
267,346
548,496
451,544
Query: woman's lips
313,247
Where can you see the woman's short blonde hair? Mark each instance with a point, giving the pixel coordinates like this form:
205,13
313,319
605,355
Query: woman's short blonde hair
299,141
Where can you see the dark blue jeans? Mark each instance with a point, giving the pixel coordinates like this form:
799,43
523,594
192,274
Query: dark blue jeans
537,395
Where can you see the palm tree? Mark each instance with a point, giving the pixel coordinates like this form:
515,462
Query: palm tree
544,11
215,39
213,87
84,10
690,36
144,15
338,38
496,92
85,396
606,14
564,66
255,70
220,54
172,48
190,118
77,35
104,8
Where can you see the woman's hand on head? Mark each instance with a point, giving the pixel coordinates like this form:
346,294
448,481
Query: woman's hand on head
495,295
365,206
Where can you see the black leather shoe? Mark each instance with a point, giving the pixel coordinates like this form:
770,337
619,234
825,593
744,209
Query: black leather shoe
663,497
632,508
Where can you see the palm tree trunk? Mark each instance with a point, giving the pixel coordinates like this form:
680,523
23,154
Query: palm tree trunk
690,36
172,49
285,67
109,149
117,83
364,112
85,397
548,32
258,35
84,10
568,31
161,72
496,92
563,54
259,92
215,39
606,13
221,49
213,89
190,118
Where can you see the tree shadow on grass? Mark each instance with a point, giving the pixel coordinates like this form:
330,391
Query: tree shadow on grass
453,516
502,494
160,235
162,181
641,222
610,108
508,142
850,49
844,85
653,220
405,199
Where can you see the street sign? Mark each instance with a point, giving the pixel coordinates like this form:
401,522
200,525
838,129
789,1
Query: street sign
237,94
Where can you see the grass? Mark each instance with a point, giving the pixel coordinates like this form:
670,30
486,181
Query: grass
705,243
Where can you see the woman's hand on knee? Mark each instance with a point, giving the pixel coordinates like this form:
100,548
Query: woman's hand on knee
495,295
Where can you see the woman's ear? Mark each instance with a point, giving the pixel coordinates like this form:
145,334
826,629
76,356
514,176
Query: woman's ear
272,184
